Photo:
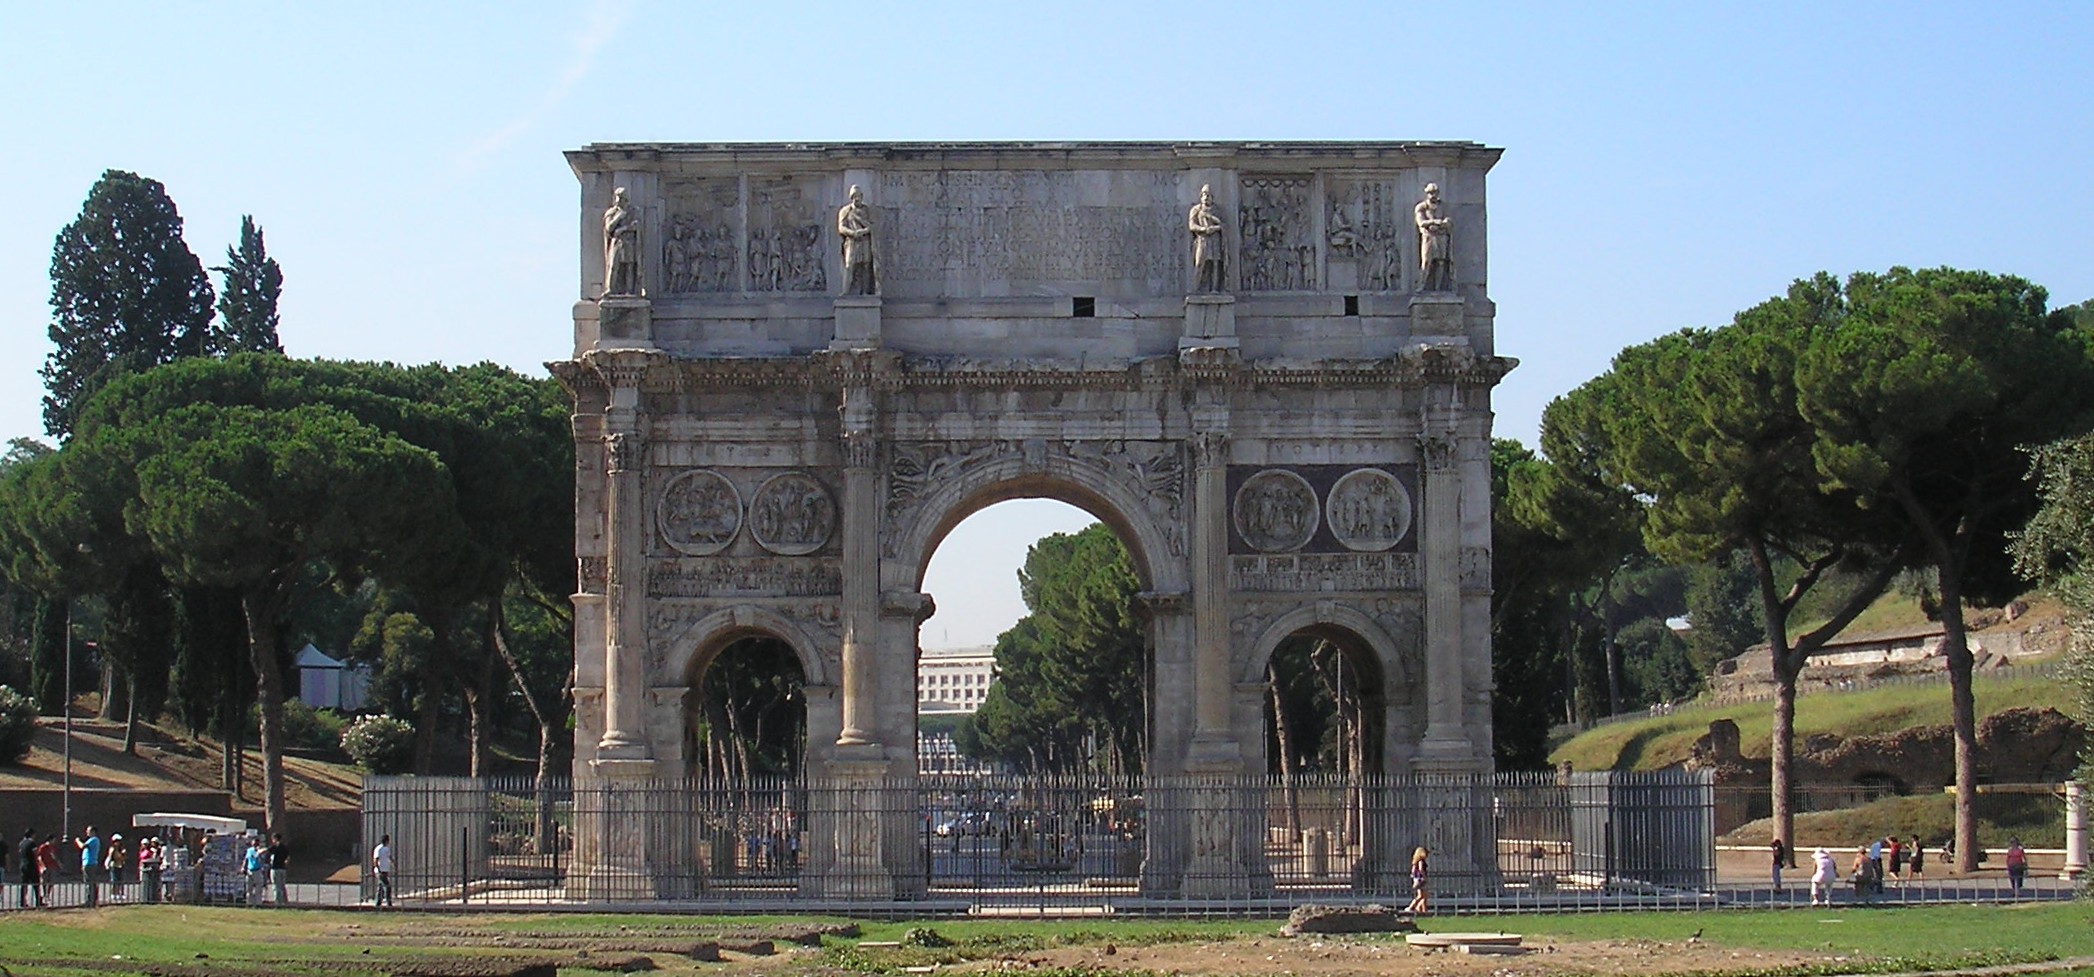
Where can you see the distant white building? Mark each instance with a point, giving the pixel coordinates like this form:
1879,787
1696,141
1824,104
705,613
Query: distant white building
325,683
952,680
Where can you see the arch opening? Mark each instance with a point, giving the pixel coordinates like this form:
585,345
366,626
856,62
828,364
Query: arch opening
1052,671
745,711
1324,733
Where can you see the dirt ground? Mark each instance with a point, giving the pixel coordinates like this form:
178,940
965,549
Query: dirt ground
1312,957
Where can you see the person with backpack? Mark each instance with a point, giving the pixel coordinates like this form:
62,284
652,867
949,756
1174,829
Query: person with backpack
30,885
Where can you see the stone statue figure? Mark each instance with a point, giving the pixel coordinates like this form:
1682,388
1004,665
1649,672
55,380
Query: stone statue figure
854,226
1207,249
621,246
1435,243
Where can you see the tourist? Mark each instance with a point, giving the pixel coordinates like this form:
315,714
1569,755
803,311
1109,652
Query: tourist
25,852
113,866
1420,905
1781,860
255,864
149,855
1864,876
382,863
47,870
1919,858
2017,865
1876,856
90,846
1827,870
279,867
1897,858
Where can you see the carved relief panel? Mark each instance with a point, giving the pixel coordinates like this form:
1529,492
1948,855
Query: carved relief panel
1274,221
1320,509
698,239
785,251
1365,227
792,515
699,513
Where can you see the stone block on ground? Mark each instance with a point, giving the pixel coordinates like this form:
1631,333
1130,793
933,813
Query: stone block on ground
1314,918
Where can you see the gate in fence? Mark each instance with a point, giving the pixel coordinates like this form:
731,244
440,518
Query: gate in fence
983,843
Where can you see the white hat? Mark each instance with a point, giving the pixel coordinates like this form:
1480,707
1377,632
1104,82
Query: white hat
116,837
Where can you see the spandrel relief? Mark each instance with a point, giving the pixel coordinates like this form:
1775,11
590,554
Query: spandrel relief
1364,227
698,250
699,513
1279,251
785,238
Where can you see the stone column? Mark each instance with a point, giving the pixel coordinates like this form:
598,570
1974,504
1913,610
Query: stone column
625,568
1212,743
1167,834
861,564
1446,745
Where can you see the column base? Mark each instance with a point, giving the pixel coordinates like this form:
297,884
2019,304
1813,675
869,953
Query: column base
1210,322
624,322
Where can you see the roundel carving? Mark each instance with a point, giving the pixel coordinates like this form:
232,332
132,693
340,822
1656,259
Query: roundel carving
699,513
792,514
1368,510
1275,511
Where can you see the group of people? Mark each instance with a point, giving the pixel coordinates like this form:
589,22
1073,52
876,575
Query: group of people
1885,858
113,865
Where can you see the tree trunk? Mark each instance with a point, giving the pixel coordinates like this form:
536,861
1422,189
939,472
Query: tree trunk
542,793
112,692
261,649
131,713
1286,748
428,708
1964,712
475,731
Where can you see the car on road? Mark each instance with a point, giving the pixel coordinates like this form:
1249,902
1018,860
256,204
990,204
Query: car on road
977,823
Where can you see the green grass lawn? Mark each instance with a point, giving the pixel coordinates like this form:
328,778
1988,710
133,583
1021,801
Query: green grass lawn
1851,940
1661,741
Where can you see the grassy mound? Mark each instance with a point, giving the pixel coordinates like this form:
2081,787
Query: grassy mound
1661,741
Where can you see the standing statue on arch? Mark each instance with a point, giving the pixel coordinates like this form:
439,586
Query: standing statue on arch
1435,243
854,225
1205,223
621,246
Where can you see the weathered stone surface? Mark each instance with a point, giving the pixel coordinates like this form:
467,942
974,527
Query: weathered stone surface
1230,352
1314,918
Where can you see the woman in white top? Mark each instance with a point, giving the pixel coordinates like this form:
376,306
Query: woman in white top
1828,872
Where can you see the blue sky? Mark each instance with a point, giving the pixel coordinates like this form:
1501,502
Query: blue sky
1665,164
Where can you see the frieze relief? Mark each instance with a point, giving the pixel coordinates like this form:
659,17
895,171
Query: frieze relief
699,513
917,470
744,576
698,250
670,620
785,238
1279,250
1157,473
1341,572
1475,568
1363,228
589,574
1405,623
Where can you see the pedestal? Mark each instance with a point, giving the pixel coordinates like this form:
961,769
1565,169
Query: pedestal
624,322
849,821
628,842
857,322
1210,321
1437,315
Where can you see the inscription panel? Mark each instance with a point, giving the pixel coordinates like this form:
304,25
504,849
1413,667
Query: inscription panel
722,576
963,232
1324,572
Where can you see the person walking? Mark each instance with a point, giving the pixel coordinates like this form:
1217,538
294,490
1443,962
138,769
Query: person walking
2017,865
47,870
31,886
279,867
90,846
1781,860
1919,858
382,863
113,865
1897,859
1826,872
1420,903
149,868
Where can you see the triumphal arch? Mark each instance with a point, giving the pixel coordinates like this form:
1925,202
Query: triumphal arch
1267,366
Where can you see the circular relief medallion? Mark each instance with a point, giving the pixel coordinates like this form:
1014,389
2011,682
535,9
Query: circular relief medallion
699,513
1275,511
1368,510
792,514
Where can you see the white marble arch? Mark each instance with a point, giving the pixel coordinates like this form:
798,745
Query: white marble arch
1095,488
689,652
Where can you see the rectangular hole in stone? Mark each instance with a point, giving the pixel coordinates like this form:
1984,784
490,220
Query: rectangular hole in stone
1352,305
1084,307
